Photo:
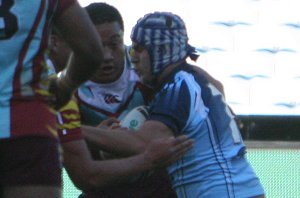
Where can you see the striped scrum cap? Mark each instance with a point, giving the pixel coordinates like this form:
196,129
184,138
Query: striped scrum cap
164,35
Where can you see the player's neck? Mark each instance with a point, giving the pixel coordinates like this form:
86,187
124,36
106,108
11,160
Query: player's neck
168,70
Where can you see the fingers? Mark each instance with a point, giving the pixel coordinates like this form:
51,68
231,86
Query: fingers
110,122
182,143
179,143
180,146
180,150
165,151
180,139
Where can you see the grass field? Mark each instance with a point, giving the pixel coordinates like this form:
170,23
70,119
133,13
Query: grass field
278,170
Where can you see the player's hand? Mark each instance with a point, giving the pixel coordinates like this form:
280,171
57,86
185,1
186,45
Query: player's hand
110,123
60,95
163,152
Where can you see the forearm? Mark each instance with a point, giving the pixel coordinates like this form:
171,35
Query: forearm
87,174
81,35
159,153
81,67
119,142
99,174
117,171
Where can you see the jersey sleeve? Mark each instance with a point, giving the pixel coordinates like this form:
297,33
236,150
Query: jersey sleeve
68,119
172,106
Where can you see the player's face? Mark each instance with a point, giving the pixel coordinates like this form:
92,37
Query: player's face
142,64
113,64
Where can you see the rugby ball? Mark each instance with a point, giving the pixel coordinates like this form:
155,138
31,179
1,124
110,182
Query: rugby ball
135,118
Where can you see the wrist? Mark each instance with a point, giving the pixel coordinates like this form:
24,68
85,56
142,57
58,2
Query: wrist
147,162
65,82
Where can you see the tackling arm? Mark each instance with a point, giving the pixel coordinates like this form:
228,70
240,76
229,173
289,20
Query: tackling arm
81,35
125,142
87,173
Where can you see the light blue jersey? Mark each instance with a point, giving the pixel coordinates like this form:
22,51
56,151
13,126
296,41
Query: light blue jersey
24,28
20,45
216,166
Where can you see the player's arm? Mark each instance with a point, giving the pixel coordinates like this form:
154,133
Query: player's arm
126,142
79,32
167,117
87,174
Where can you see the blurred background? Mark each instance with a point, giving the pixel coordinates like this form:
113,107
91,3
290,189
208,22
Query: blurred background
252,47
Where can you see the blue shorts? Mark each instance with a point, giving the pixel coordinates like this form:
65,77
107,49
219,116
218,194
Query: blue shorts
30,161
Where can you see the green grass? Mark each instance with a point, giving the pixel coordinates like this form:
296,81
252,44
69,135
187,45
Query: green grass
278,170
69,190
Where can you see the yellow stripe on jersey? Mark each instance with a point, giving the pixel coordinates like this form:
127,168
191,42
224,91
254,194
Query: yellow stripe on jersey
69,117
72,105
70,125
42,92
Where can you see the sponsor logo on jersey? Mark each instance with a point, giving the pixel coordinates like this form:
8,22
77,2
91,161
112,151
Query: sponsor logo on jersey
110,99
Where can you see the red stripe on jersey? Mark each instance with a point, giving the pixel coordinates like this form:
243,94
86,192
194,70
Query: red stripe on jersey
75,134
69,125
38,62
69,116
30,117
16,82
39,58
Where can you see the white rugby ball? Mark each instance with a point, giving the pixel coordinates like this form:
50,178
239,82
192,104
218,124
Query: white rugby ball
135,118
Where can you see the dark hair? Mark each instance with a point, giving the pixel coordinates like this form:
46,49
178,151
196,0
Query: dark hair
104,13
